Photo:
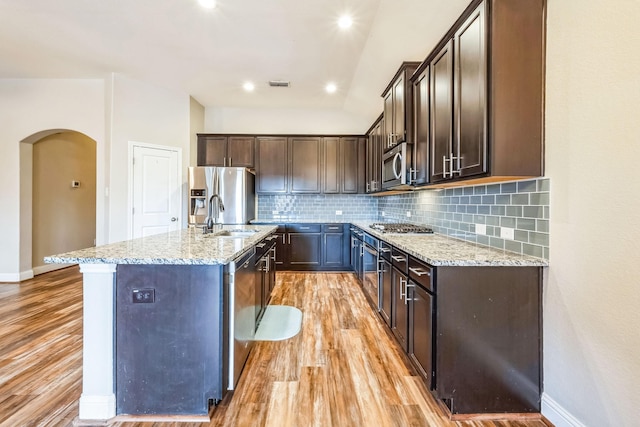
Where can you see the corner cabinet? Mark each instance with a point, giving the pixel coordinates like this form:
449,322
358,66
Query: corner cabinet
485,91
398,107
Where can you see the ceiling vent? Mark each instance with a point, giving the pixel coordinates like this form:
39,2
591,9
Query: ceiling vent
279,83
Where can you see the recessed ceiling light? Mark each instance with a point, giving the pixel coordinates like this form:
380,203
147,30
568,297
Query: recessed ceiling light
248,86
345,22
209,4
330,87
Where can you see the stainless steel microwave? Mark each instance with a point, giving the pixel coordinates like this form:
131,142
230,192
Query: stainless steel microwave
396,167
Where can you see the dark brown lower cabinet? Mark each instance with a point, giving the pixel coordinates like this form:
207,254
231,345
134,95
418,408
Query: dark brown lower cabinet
312,247
305,250
488,339
474,334
421,305
386,290
399,307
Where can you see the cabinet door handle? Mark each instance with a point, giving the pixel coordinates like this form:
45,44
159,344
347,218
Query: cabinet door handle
289,238
419,272
403,292
230,162
444,167
283,242
407,285
367,187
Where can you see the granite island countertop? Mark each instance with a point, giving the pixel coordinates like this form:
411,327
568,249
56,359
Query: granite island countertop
439,250
185,247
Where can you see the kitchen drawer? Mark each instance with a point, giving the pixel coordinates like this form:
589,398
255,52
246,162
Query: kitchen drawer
385,250
421,273
399,260
332,228
304,228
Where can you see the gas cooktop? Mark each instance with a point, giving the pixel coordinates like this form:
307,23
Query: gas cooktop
404,228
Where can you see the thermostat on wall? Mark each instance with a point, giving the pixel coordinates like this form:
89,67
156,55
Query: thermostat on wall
75,184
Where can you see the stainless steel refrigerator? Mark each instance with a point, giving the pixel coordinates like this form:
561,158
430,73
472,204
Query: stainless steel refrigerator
235,190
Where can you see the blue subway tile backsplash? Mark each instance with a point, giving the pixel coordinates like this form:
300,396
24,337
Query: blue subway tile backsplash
522,206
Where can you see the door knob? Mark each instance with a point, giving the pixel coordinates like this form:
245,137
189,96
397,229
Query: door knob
174,219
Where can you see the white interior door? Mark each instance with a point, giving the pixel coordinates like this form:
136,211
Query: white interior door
156,190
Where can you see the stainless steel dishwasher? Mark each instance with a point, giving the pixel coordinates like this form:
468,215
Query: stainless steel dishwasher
242,319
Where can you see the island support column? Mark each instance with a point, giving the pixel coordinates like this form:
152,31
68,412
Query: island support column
98,399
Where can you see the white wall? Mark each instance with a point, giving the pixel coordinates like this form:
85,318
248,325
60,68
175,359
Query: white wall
592,289
29,106
282,120
141,112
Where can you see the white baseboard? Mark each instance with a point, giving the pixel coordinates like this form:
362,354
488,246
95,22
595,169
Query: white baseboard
41,269
11,277
97,407
559,416
26,275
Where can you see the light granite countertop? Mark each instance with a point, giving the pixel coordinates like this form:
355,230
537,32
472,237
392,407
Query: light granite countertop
439,250
331,220
187,247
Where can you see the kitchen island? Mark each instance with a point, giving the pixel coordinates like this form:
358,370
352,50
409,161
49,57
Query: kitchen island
198,268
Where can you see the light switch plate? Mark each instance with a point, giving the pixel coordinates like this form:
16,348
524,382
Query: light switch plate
382,213
481,229
338,212
408,214
507,233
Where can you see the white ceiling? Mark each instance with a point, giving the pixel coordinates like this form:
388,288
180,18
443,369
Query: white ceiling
209,54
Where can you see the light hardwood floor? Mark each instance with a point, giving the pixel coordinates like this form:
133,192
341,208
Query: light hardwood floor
343,369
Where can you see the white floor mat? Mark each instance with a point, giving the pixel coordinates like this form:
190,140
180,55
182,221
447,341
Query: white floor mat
279,322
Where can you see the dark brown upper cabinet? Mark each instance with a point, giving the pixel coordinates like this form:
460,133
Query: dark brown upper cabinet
305,164
486,95
272,164
352,162
226,150
373,174
398,106
420,161
332,167
343,165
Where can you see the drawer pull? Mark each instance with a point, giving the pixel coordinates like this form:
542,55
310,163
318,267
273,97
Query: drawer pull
397,258
385,250
419,272
304,228
260,245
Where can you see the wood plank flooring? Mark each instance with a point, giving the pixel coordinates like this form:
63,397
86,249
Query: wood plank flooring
343,369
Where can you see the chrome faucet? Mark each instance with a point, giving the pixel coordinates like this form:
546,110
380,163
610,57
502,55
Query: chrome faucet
214,211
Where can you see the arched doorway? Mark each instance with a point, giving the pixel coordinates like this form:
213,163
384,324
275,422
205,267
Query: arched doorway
58,190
